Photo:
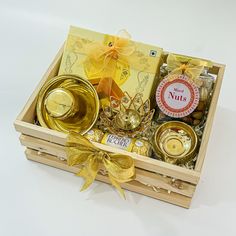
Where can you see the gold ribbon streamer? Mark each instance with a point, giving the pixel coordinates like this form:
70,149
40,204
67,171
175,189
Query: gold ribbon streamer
80,151
192,68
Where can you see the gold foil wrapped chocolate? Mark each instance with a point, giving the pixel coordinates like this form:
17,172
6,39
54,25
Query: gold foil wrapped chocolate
113,140
142,147
175,142
94,135
139,146
68,103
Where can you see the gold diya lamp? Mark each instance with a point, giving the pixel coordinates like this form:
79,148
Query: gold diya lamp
68,103
128,116
128,120
175,142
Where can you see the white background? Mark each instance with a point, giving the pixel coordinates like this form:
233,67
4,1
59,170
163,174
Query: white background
37,200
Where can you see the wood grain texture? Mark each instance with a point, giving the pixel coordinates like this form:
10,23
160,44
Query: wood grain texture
142,175
143,162
133,186
210,119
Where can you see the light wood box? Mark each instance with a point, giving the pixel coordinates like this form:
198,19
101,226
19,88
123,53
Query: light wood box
154,178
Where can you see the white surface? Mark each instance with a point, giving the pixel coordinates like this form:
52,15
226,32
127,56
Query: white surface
39,200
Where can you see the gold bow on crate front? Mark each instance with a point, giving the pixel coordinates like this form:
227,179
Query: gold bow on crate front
80,151
191,67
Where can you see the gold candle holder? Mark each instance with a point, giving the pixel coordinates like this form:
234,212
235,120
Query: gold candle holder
68,103
175,142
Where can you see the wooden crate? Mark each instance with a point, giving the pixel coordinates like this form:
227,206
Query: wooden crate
154,178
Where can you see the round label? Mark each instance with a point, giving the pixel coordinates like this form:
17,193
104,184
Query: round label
178,97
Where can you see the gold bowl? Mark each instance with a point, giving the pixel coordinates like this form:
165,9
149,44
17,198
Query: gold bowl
68,103
175,142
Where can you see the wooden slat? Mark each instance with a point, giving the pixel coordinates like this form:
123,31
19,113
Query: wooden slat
209,122
40,132
145,176
163,182
142,162
133,186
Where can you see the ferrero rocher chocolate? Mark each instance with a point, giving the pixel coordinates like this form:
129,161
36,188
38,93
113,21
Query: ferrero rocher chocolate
175,142
94,135
139,146
68,103
142,147
113,140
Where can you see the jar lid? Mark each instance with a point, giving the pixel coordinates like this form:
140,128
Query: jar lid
177,96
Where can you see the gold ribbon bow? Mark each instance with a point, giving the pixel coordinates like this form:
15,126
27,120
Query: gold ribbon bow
105,60
80,151
192,68
104,57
